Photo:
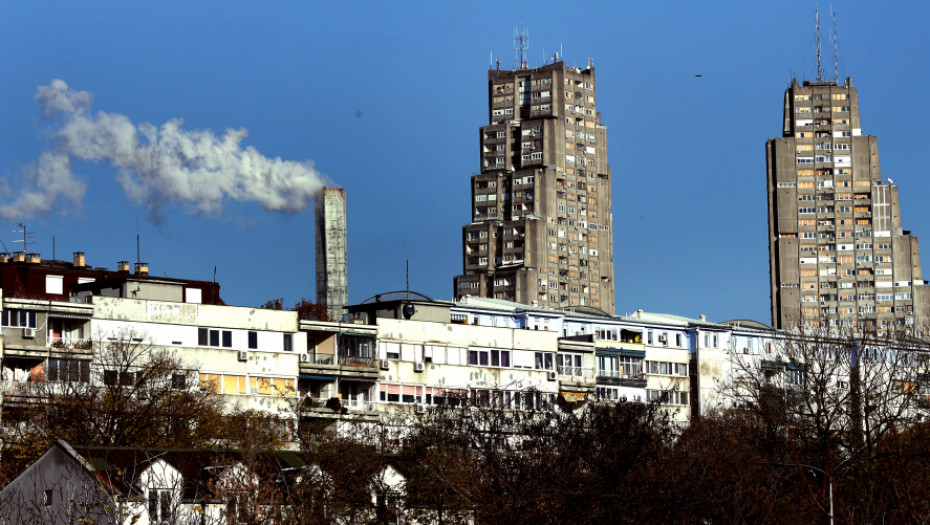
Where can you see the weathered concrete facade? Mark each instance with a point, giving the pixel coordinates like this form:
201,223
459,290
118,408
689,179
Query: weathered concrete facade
838,254
541,216
332,288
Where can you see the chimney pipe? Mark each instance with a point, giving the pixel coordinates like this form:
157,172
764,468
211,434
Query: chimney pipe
141,268
33,258
703,318
122,267
79,260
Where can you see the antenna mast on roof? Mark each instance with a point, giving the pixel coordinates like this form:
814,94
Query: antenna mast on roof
521,42
819,66
408,270
836,56
26,236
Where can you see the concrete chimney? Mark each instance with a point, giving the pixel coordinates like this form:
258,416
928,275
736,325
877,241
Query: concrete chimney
33,258
142,268
5,257
19,256
79,260
332,287
703,318
122,267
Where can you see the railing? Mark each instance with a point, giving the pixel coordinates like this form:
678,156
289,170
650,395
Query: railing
356,403
321,359
67,340
360,362
576,371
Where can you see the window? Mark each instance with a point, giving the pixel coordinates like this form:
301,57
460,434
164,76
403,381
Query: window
54,284
288,342
666,369
71,370
47,498
543,361
208,337
673,397
159,505
253,340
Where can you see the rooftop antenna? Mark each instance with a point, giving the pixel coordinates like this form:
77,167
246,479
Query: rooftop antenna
521,42
26,236
138,253
408,270
819,65
836,56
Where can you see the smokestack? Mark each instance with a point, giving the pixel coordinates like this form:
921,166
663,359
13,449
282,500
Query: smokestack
122,267
33,258
19,256
332,288
141,268
79,260
5,257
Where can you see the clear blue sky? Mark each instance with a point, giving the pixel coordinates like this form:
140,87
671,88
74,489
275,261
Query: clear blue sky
385,98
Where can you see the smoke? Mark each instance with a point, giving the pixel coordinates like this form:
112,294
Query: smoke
155,166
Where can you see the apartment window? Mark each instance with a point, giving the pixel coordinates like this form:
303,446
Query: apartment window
18,318
543,360
159,505
54,284
678,340
288,342
208,337
253,340
47,498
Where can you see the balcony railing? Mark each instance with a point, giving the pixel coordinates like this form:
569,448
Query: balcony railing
576,372
360,362
358,403
68,341
321,359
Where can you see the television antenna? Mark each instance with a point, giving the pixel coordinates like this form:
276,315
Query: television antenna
521,42
836,56
819,65
26,236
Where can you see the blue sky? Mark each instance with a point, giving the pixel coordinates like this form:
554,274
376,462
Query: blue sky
386,98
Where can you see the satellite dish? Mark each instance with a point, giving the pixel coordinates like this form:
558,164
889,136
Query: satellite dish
409,310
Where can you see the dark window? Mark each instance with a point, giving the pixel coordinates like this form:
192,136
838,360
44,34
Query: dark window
505,359
153,506
165,504
203,336
178,381
408,398
383,396
109,377
483,358
214,338
47,498
23,321
495,358
227,339
5,318
393,398
472,357
289,342
126,378
253,340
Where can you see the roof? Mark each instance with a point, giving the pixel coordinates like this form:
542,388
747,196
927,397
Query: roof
747,323
401,295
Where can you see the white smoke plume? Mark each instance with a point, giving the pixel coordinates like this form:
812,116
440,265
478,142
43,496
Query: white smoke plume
156,166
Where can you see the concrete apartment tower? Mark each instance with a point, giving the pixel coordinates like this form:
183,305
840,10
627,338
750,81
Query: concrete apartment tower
332,288
839,255
540,231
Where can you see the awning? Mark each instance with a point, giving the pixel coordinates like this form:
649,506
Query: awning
356,334
59,315
317,378
625,352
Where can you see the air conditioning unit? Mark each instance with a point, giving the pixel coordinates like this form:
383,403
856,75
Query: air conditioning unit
385,364
552,376
29,333
419,366
663,339
304,358
420,408
242,356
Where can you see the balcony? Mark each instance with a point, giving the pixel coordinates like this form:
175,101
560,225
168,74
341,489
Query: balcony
617,377
358,403
346,408
576,372
358,362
